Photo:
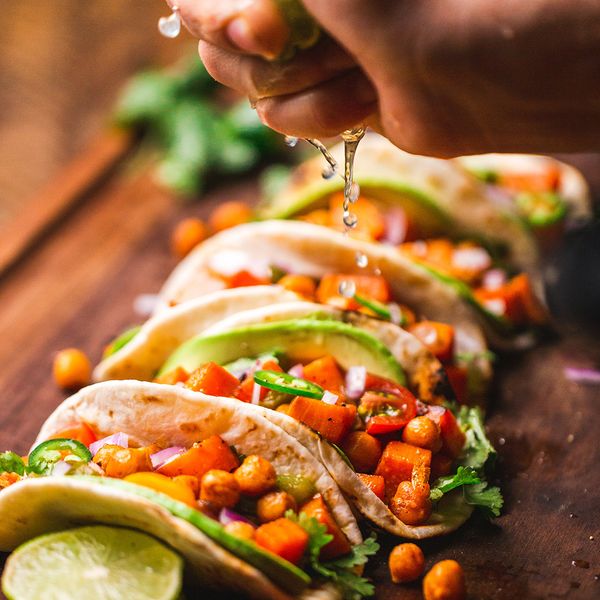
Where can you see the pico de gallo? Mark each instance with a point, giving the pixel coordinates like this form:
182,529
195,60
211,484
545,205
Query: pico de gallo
398,446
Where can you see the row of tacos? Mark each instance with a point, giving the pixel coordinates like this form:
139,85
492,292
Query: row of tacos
285,392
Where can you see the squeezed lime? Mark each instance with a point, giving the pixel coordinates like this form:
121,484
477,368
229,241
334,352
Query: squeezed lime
104,563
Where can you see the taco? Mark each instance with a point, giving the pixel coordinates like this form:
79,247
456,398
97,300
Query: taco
247,506
463,232
348,387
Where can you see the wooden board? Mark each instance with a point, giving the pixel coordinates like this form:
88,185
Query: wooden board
77,288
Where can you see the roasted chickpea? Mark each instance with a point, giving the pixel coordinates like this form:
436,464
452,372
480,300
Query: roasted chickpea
424,433
300,284
240,529
255,476
445,581
189,481
284,408
71,369
187,235
406,563
119,462
219,488
230,214
274,505
412,506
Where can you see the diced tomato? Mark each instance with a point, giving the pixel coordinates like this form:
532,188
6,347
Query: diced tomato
172,377
546,180
386,406
212,379
155,481
374,287
245,389
453,438
339,545
371,223
321,216
515,300
363,450
441,465
80,432
397,463
326,373
211,453
245,279
375,483
300,284
437,337
332,421
283,538
458,377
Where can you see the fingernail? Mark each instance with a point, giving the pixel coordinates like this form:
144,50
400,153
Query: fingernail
240,34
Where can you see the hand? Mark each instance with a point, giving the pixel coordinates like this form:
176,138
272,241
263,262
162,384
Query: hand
440,77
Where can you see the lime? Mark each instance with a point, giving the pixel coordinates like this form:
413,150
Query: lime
304,31
104,563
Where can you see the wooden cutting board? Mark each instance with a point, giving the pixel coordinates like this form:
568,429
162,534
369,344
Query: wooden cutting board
74,282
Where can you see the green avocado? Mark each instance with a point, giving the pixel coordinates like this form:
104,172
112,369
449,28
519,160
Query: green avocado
301,340
121,341
281,572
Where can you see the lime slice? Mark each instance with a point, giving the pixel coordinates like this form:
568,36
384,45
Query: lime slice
93,562
305,32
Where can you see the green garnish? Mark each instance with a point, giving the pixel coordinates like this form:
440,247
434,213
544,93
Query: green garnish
10,462
45,455
541,209
487,499
379,309
288,384
478,451
463,476
121,341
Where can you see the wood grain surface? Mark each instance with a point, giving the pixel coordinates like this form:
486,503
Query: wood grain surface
77,288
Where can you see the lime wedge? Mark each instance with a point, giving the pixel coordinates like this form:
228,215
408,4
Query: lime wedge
97,562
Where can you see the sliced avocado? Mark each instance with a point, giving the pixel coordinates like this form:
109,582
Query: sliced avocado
120,341
281,572
300,340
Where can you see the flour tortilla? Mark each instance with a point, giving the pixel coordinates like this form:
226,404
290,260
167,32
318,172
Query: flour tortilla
440,195
166,415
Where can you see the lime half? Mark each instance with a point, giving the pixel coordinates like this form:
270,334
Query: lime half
104,563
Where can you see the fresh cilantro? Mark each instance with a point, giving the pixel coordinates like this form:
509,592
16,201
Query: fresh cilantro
11,463
488,499
478,451
463,476
470,357
339,571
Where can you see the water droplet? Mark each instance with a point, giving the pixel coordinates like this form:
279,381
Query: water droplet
170,26
570,438
354,192
581,564
596,577
290,140
328,172
347,288
350,219
572,516
591,538
501,441
362,260
377,271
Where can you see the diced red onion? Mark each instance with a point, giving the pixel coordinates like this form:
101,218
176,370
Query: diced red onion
396,226
61,468
144,304
435,412
395,313
500,197
159,458
227,516
329,397
256,393
116,439
494,279
356,378
297,371
579,375
472,259
495,305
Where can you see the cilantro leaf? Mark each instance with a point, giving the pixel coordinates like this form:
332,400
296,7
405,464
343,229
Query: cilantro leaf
478,451
463,476
11,463
488,499
358,556
317,533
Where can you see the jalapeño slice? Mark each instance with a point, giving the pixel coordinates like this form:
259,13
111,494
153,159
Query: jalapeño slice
46,454
288,384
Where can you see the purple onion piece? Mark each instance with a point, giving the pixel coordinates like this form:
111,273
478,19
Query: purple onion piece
356,378
329,397
227,516
579,375
297,371
159,458
396,226
116,439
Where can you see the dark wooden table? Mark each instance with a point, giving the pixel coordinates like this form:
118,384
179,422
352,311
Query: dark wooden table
76,287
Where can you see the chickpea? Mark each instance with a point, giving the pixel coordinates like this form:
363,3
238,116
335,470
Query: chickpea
219,488
274,505
284,408
71,369
230,214
189,481
255,476
240,529
445,581
424,433
406,563
300,284
412,506
119,462
187,235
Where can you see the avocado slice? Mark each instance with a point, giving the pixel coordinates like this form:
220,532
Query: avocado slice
281,572
121,341
299,339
